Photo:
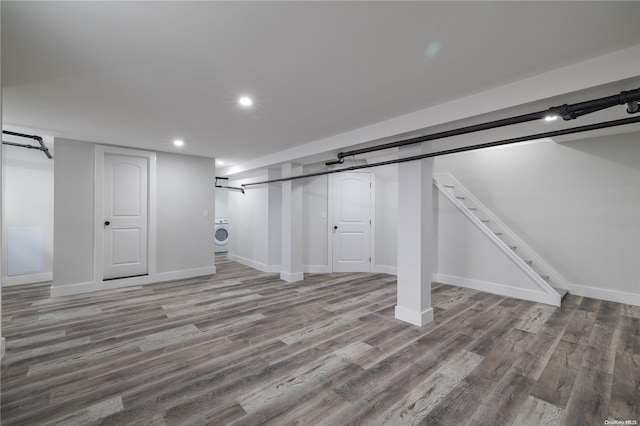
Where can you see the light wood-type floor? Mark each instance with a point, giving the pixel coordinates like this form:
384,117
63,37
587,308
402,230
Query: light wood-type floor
243,347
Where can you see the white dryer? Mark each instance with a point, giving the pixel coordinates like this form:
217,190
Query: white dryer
222,235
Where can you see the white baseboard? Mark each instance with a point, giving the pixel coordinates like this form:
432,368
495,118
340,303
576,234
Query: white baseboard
27,279
1,347
71,289
253,264
88,287
414,317
184,274
292,277
501,289
316,269
309,269
384,269
605,294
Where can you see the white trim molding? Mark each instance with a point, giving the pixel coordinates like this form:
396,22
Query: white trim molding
330,222
88,287
274,269
372,221
27,279
414,317
606,294
384,269
498,288
291,277
308,269
316,269
185,273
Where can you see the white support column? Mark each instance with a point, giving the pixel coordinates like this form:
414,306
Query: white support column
274,219
291,269
417,238
1,221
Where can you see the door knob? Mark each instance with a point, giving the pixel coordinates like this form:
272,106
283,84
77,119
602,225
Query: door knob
107,223
335,227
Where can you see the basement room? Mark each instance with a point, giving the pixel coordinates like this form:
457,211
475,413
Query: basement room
320,213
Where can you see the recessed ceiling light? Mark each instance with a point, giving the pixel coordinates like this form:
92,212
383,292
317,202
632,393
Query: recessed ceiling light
550,117
220,163
245,101
178,142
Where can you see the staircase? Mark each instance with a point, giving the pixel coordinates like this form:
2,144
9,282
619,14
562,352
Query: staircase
547,278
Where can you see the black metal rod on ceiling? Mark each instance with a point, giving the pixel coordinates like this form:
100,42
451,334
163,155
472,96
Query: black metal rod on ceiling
567,112
227,187
42,146
21,145
549,134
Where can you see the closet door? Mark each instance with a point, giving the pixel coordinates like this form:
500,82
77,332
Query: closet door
125,216
352,222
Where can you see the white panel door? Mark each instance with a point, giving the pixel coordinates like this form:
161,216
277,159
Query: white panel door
351,222
125,216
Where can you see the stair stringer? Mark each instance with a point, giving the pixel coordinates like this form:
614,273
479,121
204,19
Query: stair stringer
491,266
556,279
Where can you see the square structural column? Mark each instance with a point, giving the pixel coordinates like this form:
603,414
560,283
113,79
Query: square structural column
417,237
291,269
274,219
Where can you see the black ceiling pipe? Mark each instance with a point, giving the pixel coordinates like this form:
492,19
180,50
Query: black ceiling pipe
227,187
550,134
567,112
42,146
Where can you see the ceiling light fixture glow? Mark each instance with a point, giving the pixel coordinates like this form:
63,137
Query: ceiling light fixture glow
245,101
432,49
551,118
178,142
220,163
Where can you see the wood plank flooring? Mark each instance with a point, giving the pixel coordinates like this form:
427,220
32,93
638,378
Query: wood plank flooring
244,348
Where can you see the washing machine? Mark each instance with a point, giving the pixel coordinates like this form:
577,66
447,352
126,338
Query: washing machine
222,235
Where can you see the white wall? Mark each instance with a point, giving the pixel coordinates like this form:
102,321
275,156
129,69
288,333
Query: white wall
185,244
576,204
315,227
184,192
249,223
28,203
386,211
256,228
222,203
73,212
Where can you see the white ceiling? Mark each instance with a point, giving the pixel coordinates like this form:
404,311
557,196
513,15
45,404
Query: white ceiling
144,73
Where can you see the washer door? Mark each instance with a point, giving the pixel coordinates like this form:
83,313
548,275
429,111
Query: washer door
222,235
